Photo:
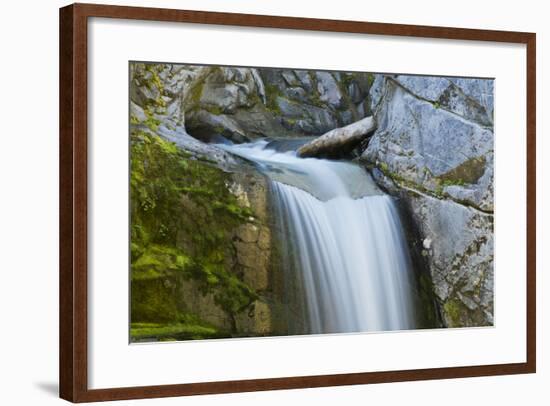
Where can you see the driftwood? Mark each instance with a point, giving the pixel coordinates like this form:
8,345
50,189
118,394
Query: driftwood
339,140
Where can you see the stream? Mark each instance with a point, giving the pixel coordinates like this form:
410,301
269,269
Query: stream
343,236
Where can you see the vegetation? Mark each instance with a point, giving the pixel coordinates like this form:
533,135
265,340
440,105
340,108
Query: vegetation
467,172
171,332
271,94
172,198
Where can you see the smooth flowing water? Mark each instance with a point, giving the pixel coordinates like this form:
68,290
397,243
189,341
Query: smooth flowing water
343,235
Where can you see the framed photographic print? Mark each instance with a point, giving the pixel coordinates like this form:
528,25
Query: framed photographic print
256,202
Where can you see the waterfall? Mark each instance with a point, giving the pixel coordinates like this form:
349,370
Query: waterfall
343,236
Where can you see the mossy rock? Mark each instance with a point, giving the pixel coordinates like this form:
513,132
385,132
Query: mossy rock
182,220
193,330
467,172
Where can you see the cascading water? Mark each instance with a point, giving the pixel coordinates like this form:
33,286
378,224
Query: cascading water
344,237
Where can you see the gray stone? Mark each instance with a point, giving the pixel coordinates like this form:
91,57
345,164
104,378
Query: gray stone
376,90
427,87
460,255
307,118
431,147
297,93
305,79
355,93
259,84
469,98
225,97
290,78
328,89
137,113
206,126
481,90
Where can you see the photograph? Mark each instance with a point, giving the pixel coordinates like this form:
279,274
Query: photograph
280,202
274,203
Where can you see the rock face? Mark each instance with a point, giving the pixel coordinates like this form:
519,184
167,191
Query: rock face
219,281
434,149
340,141
241,104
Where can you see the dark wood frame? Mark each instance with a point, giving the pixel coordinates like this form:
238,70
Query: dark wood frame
73,201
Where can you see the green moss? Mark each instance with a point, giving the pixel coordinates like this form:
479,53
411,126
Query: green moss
254,99
271,94
134,120
156,260
315,99
453,310
175,331
467,172
370,79
441,181
195,93
290,121
347,79
182,219
155,80
216,110
438,192
384,168
148,75
151,121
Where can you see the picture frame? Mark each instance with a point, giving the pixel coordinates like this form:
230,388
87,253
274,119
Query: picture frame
74,202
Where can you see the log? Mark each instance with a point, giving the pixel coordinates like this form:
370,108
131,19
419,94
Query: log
338,141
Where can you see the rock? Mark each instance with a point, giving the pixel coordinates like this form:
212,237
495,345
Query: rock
312,102
246,103
328,89
225,97
426,87
258,322
355,93
137,113
305,80
198,149
385,182
205,126
290,78
305,118
470,101
259,84
297,93
338,141
227,89
480,90
376,90
455,100
459,245
432,148
268,102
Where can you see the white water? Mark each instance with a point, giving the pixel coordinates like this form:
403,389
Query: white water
345,238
